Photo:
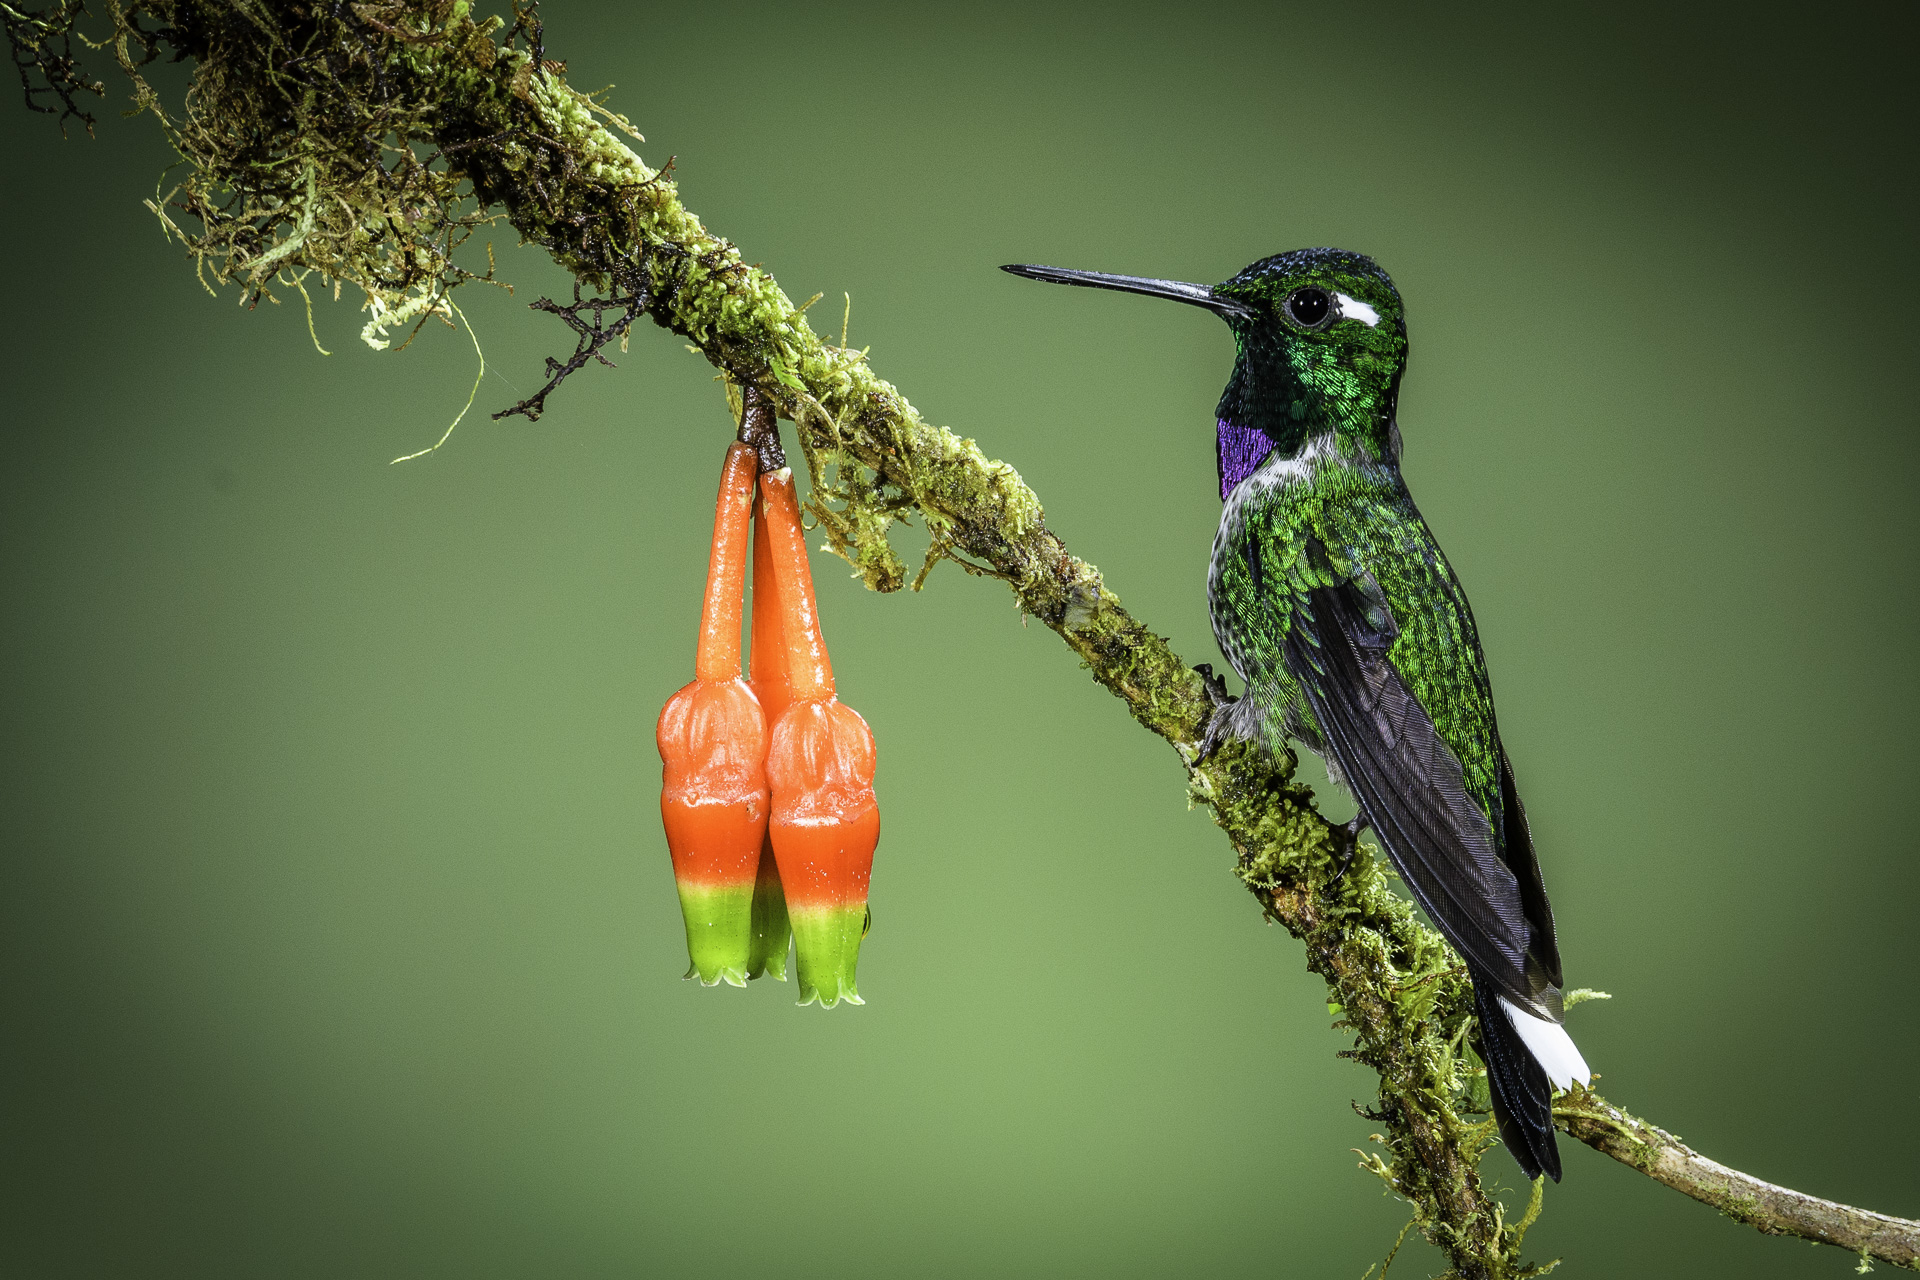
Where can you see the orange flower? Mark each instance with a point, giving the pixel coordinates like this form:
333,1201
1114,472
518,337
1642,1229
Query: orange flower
713,746
820,766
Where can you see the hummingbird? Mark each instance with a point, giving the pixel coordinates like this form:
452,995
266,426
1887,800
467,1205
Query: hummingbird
1331,599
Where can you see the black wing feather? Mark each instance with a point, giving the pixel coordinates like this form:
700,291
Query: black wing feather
1543,948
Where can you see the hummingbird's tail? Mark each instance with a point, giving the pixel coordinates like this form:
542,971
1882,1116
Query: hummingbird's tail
1521,1052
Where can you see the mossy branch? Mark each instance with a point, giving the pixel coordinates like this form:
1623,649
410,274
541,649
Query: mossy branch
363,143
1773,1210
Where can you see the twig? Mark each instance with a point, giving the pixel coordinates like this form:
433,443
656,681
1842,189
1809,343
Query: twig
593,335
1767,1208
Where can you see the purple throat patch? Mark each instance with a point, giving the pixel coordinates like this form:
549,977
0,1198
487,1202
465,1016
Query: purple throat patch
1242,450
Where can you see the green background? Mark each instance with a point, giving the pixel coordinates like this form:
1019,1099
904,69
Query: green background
337,935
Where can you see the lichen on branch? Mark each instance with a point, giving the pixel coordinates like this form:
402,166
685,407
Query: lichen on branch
364,144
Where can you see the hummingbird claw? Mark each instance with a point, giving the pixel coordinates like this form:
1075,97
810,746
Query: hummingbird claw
1216,686
1347,835
1217,732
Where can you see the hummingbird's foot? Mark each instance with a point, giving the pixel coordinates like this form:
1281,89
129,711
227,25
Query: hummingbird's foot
1216,686
1218,724
1347,836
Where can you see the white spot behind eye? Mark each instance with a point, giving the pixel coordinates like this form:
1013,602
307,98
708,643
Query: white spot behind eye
1354,309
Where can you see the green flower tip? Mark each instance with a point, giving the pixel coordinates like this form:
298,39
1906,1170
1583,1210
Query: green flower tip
719,933
826,942
834,993
772,933
768,965
732,975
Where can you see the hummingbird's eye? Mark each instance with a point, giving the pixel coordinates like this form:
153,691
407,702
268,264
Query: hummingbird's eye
1309,307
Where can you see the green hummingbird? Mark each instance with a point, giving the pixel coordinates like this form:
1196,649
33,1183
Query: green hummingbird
1333,601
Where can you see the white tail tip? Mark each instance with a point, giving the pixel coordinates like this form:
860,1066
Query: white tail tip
1550,1045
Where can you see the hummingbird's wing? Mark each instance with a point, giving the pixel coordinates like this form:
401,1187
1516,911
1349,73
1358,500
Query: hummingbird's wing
1411,782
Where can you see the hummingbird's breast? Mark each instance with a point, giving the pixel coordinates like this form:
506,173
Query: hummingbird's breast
1260,568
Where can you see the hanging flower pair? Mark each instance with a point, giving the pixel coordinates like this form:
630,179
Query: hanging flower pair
767,785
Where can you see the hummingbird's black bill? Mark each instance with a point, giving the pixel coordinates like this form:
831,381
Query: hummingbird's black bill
1198,295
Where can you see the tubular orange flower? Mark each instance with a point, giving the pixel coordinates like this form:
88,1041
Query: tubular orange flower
820,765
713,745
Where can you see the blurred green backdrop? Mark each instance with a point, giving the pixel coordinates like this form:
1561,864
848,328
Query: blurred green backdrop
337,928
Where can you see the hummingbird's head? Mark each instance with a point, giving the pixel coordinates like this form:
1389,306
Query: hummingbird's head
1322,342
